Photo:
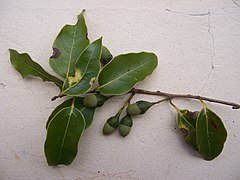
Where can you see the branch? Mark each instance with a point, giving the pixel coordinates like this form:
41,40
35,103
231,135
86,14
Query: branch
56,97
127,102
171,96
184,96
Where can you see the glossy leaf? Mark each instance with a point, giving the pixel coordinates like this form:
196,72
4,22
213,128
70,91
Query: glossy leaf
86,70
186,122
88,113
63,134
68,46
27,67
211,134
124,71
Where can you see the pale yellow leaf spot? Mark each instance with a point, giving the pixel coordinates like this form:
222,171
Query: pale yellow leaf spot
92,81
76,78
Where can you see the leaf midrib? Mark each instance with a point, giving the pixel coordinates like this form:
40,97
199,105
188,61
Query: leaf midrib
209,144
123,75
64,136
187,122
70,54
89,59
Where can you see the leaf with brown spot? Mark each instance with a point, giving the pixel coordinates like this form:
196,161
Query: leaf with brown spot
56,53
211,133
186,121
68,46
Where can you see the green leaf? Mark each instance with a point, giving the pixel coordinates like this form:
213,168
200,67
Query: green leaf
211,133
27,67
63,134
88,113
186,122
86,70
124,71
68,46
106,56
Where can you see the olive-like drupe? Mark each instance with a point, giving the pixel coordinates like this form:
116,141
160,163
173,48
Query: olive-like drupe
90,101
140,107
125,125
94,100
111,124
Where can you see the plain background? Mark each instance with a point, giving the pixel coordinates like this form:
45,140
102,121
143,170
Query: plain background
189,38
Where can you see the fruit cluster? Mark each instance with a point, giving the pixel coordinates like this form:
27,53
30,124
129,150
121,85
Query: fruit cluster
114,122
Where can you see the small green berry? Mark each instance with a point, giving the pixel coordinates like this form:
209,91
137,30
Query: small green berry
124,130
125,125
107,129
94,100
90,101
133,109
140,107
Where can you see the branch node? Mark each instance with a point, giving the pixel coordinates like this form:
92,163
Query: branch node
235,107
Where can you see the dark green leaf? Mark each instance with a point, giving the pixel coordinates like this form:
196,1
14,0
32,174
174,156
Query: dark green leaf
63,134
124,71
211,134
86,70
88,113
186,121
68,46
106,56
27,67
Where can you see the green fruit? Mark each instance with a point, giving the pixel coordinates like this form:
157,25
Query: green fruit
125,125
111,124
107,129
90,101
124,130
140,107
133,109
94,100
106,56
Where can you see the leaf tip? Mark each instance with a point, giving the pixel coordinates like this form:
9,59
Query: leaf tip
81,14
100,39
11,50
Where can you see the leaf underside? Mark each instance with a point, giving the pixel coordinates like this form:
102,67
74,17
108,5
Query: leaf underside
124,71
27,67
